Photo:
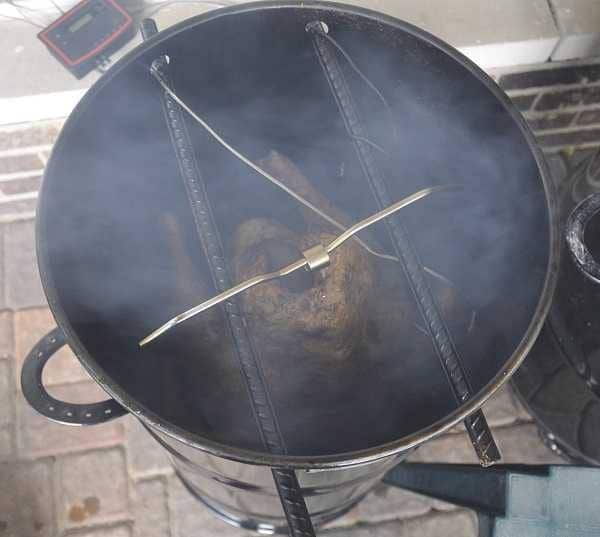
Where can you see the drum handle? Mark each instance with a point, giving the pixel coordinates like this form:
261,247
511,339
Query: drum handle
60,411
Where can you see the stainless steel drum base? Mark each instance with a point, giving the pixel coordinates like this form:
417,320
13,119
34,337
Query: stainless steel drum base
262,527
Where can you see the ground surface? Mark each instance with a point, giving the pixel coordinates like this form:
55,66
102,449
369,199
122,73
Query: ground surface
113,480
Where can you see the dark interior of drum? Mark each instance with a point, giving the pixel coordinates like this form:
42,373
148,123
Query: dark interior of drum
114,183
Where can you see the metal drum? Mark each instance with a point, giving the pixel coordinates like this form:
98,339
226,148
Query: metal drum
391,172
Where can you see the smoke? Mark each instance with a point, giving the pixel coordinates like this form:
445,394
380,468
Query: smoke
121,269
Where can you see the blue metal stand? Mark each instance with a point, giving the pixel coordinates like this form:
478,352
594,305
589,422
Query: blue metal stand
513,501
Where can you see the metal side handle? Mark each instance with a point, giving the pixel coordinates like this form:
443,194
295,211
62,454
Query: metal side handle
575,235
45,404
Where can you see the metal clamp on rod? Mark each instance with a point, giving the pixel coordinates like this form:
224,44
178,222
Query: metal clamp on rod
317,257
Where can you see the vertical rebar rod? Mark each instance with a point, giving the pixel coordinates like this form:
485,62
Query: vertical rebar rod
286,481
476,424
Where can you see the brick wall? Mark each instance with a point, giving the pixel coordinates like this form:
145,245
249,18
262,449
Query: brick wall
24,151
561,104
